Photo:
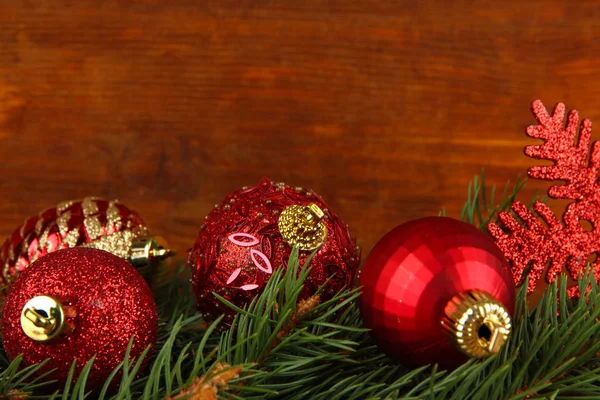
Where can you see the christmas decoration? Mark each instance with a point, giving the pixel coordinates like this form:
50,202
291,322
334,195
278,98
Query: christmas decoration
252,232
91,222
434,286
558,244
437,289
75,304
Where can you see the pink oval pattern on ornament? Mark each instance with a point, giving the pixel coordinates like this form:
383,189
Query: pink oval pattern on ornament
241,239
268,269
234,275
252,242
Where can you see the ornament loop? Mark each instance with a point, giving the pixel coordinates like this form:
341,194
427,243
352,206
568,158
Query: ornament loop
302,226
147,252
478,324
43,318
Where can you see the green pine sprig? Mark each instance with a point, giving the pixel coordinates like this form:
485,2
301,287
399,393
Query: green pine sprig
481,206
282,347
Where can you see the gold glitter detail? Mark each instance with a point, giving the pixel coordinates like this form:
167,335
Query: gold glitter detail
71,238
11,252
113,215
22,230
302,226
43,241
62,206
63,223
39,226
144,232
25,247
93,227
89,206
5,273
118,243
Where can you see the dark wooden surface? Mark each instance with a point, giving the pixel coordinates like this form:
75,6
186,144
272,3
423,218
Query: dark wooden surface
385,108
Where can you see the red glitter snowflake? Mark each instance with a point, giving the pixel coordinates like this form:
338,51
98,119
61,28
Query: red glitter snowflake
552,245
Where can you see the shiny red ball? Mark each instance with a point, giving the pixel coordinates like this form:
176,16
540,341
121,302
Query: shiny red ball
410,276
111,302
240,245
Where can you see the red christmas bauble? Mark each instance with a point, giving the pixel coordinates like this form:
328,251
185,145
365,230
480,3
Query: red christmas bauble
74,304
437,290
91,222
252,232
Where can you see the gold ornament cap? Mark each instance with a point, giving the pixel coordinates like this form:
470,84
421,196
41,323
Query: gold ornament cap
478,324
43,318
145,252
303,227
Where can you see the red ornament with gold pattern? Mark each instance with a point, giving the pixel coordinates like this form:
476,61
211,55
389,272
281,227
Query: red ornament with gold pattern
437,290
91,222
252,232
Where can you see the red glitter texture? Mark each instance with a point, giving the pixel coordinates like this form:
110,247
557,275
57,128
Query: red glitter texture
553,244
413,272
112,303
239,245
43,233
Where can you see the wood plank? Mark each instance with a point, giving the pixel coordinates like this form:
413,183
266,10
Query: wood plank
386,108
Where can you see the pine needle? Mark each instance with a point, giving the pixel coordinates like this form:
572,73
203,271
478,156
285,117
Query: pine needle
14,395
304,306
206,387
283,347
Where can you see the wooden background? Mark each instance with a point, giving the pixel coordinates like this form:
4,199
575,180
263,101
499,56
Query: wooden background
387,109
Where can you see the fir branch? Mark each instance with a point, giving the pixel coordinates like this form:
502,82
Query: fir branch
478,210
328,355
338,360
281,348
206,387
14,379
15,395
304,307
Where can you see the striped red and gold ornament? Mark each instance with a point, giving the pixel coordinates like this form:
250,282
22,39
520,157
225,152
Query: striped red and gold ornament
92,222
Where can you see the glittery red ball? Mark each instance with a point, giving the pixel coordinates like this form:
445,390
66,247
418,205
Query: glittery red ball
413,272
111,301
240,245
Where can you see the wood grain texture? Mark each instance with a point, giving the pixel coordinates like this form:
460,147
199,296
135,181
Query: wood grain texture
385,108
